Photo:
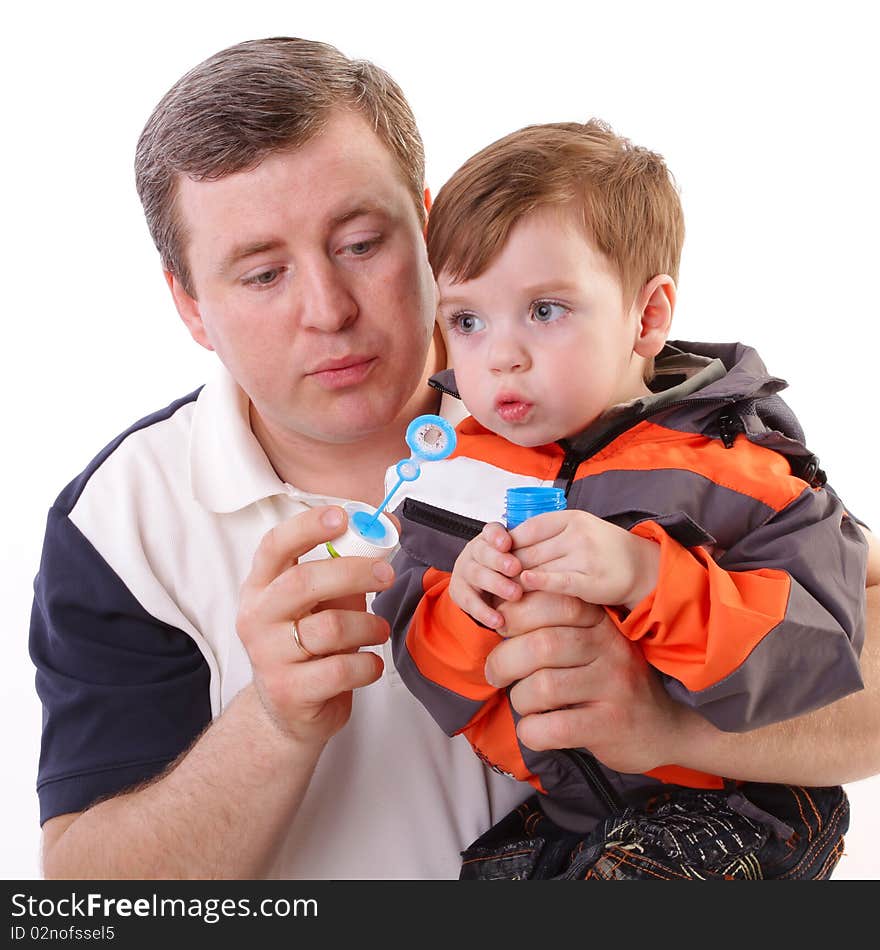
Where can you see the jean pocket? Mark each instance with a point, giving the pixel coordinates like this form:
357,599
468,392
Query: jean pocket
819,818
691,835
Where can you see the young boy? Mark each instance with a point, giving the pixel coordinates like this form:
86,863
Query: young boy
694,515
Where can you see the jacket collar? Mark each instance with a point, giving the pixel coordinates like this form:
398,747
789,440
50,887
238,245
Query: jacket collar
739,372
698,372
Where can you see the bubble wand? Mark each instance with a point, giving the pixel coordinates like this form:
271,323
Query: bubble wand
430,438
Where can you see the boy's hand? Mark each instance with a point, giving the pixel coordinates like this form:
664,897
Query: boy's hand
483,572
572,552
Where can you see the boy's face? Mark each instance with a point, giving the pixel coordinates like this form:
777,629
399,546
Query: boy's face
542,342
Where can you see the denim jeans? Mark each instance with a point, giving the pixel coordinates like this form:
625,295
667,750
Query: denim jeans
750,832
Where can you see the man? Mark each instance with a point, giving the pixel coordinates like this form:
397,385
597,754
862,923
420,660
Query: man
215,699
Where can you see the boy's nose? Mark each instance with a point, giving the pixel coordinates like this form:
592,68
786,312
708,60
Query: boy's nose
506,355
327,302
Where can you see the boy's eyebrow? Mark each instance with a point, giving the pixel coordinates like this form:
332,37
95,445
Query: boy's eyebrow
451,299
553,285
540,288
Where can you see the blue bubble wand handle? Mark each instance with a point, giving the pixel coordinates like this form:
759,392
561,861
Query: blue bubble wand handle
430,438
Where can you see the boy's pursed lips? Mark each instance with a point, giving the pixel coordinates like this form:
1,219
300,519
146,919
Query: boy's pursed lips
511,407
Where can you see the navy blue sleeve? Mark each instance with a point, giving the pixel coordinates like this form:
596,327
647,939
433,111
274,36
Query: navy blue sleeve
123,694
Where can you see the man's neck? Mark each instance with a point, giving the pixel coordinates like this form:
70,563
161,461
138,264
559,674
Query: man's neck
347,470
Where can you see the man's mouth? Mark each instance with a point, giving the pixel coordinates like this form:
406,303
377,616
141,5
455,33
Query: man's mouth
512,408
346,371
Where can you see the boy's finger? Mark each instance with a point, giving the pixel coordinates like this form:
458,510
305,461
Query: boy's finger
496,560
497,536
473,604
492,582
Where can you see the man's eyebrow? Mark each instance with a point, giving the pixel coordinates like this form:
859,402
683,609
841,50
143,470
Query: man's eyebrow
358,212
243,251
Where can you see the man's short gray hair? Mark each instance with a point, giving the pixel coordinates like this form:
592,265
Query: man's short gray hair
248,101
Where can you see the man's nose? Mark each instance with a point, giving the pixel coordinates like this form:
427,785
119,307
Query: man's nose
327,302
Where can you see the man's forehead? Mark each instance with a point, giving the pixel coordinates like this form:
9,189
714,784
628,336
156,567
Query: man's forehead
270,204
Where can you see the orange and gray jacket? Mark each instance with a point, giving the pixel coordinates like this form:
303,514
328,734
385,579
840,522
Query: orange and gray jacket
759,610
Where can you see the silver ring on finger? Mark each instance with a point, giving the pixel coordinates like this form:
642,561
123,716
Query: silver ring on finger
298,641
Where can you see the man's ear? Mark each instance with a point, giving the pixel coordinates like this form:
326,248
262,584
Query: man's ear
188,308
654,306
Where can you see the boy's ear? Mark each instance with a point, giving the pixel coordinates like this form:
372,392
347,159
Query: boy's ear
654,305
188,308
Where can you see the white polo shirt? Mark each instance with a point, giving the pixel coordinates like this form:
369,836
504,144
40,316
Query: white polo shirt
134,640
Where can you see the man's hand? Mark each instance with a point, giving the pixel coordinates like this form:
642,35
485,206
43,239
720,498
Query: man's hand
481,577
573,552
308,695
582,684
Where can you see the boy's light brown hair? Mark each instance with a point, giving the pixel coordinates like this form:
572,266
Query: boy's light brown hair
623,194
249,101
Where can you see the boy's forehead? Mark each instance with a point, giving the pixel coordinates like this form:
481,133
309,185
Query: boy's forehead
548,245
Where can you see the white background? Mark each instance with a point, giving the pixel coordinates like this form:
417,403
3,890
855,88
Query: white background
766,113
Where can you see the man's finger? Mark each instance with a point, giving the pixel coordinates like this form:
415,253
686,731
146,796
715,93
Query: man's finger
321,634
290,539
560,729
548,689
536,610
321,680
298,589
553,647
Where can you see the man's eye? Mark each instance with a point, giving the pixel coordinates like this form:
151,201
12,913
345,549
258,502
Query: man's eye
468,323
545,311
264,277
359,248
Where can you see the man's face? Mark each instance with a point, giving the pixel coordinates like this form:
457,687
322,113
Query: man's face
311,282
542,342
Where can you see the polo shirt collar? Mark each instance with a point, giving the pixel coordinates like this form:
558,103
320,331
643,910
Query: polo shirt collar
228,468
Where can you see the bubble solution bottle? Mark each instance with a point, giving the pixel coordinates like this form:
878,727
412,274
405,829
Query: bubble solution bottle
522,503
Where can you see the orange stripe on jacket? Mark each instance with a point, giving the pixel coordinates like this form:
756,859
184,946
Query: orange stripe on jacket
747,468
701,622
447,646
476,442
679,775
494,729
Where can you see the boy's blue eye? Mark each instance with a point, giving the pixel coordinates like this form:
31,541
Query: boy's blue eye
468,323
545,311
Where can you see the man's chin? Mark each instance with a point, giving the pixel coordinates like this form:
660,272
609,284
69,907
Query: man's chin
346,425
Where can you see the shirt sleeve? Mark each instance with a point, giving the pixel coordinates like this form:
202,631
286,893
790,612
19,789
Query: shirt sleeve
123,694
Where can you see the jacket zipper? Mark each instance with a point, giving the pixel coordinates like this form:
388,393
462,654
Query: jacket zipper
446,522
466,528
601,787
